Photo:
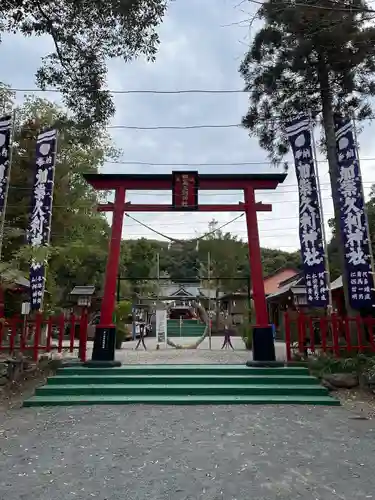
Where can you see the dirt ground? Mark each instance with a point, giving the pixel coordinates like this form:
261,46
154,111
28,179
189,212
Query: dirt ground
361,403
13,394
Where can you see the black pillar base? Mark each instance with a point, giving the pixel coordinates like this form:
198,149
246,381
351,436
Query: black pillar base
265,364
104,344
101,364
263,344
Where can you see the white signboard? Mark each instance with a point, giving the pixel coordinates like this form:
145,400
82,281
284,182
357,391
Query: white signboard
25,308
161,326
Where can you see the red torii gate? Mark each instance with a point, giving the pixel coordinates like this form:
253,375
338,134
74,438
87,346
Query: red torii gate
120,183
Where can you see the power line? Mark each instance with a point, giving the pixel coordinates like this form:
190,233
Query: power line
216,164
334,7
234,205
137,91
367,184
175,127
202,193
180,223
204,125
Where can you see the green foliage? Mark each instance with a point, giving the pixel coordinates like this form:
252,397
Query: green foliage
86,34
306,57
246,331
79,236
122,312
354,363
185,262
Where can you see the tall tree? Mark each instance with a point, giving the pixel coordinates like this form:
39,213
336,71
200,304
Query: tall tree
314,56
85,34
79,234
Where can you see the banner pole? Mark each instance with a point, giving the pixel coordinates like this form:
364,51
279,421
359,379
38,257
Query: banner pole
39,232
321,212
363,196
47,244
2,222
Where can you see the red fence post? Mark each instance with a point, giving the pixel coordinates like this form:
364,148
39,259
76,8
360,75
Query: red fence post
312,334
323,324
49,334
335,336
2,330
358,323
38,328
287,336
23,333
347,337
83,335
301,333
61,332
13,334
370,329
72,332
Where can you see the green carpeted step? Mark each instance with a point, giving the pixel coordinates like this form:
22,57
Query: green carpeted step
186,369
181,385
181,390
185,332
179,400
86,378
184,321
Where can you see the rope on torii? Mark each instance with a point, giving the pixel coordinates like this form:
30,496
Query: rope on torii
175,240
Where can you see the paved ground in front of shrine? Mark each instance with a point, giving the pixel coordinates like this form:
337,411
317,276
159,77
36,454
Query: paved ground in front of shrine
186,453
203,354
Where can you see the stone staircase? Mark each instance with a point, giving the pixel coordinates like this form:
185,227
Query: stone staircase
188,328
181,385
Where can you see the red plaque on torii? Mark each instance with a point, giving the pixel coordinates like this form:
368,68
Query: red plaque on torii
185,190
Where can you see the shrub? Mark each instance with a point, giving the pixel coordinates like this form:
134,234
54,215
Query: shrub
122,311
247,335
122,332
325,363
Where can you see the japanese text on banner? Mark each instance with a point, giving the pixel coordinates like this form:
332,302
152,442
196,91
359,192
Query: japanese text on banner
310,224
353,218
41,210
5,132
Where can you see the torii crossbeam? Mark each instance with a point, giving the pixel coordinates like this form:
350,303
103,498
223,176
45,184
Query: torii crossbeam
121,183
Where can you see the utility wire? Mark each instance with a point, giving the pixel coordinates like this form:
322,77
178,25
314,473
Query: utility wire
90,209
216,164
182,241
203,193
334,7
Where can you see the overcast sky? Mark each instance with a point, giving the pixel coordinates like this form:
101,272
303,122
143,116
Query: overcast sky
202,43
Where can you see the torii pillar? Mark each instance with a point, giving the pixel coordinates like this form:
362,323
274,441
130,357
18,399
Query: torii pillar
104,344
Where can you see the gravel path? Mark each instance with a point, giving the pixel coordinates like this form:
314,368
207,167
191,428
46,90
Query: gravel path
196,356
181,453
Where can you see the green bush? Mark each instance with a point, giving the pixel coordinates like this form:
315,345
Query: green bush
246,331
121,334
122,312
325,363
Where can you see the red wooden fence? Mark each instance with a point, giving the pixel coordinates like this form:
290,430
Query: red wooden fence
42,335
330,334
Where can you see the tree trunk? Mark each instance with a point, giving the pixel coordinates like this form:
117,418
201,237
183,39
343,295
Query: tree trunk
329,129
